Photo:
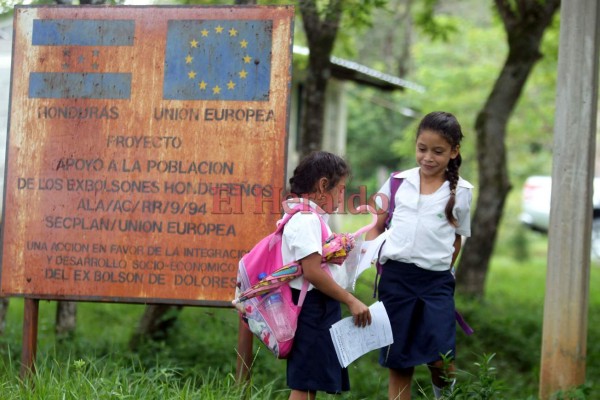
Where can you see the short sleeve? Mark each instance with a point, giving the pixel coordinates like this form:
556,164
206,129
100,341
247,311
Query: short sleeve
463,211
302,234
383,192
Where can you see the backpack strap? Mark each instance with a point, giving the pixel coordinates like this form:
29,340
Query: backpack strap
305,283
276,237
288,215
304,208
463,324
378,269
394,186
324,236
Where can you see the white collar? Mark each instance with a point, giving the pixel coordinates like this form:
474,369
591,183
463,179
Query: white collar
412,176
296,201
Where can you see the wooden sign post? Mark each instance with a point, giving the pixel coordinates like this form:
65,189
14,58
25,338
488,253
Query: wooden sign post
564,341
146,151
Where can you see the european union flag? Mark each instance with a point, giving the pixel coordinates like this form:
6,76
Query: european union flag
218,60
83,71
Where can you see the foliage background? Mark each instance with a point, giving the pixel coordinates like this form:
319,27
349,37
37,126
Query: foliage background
198,359
457,68
458,74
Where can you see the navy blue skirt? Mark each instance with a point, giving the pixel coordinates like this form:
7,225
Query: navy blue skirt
313,364
420,304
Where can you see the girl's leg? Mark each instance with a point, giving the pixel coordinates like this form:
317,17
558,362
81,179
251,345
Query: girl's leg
442,373
301,395
400,381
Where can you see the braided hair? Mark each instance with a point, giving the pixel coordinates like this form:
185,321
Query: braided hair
446,125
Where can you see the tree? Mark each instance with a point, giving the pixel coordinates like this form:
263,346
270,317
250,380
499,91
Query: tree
321,29
524,22
66,320
155,324
321,22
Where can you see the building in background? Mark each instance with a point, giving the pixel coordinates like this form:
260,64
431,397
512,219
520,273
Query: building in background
342,71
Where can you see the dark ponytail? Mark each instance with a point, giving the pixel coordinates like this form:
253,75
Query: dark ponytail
317,165
452,178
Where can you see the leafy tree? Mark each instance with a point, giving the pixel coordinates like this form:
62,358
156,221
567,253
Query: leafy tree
321,27
321,22
375,120
386,44
381,126
457,74
525,23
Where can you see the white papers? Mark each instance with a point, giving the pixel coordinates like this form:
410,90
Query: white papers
350,266
370,251
361,258
351,342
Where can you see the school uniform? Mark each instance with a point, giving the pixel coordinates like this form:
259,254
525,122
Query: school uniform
416,284
313,364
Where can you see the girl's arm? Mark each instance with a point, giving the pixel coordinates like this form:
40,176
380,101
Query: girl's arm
379,227
457,247
311,267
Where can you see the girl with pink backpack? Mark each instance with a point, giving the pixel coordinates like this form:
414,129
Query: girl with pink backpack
312,365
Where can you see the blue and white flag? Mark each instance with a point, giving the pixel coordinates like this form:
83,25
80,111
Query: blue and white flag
84,70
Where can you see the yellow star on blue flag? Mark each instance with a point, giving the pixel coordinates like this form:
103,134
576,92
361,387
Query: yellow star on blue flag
218,60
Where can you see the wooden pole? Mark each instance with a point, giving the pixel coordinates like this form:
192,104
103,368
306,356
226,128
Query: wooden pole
244,357
565,324
30,331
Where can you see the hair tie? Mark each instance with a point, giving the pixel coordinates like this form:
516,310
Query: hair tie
453,192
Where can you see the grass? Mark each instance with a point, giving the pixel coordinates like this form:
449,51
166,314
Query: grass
198,360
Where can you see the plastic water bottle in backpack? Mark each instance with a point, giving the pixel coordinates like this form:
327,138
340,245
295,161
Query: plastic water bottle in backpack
277,313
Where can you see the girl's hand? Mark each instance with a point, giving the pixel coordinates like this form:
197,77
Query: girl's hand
379,227
361,315
311,266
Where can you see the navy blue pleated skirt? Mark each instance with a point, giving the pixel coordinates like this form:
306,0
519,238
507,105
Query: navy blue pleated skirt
313,364
420,304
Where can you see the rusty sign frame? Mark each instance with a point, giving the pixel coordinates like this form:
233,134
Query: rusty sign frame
110,150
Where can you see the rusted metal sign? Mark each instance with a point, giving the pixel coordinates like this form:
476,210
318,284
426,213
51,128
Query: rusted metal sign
146,149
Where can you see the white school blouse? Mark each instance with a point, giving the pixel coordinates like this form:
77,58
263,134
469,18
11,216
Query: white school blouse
302,237
420,233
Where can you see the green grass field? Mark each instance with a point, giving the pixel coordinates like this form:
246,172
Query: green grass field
198,360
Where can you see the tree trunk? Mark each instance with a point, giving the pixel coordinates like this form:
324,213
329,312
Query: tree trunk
321,32
66,320
3,310
313,116
401,21
155,324
525,23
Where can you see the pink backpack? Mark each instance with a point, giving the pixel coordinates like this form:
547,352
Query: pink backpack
266,286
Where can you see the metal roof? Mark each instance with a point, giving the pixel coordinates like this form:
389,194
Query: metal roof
351,70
